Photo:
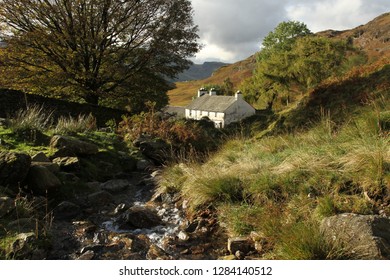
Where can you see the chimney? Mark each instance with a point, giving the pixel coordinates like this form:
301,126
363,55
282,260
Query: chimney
213,91
238,95
201,92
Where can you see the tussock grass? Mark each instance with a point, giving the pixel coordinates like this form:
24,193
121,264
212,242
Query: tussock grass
284,185
34,117
72,126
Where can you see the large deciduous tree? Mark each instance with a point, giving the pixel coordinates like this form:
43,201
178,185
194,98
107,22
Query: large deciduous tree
96,49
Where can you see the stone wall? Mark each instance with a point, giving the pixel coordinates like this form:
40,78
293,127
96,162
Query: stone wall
11,101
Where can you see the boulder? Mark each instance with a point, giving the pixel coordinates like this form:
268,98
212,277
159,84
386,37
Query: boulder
22,224
68,177
88,255
52,167
100,198
144,164
7,204
13,169
242,244
138,217
66,210
23,246
73,146
40,157
154,149
115,186
40,179
128,164
359,236
68,164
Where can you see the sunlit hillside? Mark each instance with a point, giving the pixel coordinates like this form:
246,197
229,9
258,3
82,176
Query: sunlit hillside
373,38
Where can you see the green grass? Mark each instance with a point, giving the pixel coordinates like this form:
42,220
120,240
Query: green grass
283,185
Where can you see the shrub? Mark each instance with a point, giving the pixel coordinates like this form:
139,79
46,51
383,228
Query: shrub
188,139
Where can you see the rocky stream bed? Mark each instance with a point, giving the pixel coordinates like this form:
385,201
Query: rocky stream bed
125,219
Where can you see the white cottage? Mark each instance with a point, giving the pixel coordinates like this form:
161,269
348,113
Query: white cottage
222,110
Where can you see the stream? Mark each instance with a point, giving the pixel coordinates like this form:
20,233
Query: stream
127,220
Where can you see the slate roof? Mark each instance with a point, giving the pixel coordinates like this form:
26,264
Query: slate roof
212,103
174,110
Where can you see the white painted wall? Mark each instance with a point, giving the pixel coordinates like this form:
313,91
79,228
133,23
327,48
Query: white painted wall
238,111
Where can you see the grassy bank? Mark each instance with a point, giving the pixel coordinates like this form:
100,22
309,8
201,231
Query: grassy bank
282,186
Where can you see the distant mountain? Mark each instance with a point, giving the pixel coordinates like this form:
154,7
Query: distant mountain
184,91
199,71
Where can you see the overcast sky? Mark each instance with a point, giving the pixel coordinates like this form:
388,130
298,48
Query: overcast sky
232,30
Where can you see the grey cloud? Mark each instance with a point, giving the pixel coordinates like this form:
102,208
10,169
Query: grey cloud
237,27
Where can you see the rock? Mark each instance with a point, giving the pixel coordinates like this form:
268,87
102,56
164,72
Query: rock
359,236
66,210
128,164
120,208
22,224
242,244
13,169
94,248
240,255
138,217
40,157
227,258
68,164
100,198
22,247
183,236
87,256
94,185
154,149
156,253
84,227
7,204
143,165
40,180
192,226
39,254
52,167
73,146
115,186
260,240
68,177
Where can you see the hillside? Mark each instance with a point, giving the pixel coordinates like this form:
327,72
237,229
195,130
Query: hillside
373,38
199,71
301,183
184,91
